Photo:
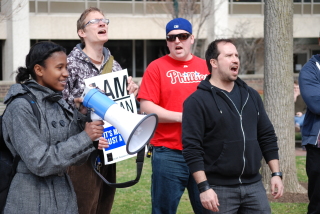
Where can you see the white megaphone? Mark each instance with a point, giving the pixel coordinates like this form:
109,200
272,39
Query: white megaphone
136,129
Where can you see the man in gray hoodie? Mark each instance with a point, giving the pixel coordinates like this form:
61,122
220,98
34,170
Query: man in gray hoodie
89,59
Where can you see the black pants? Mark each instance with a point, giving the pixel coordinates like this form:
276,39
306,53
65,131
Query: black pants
313,172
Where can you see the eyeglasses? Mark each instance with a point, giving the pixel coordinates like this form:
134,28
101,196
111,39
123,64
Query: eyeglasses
96,21
181,37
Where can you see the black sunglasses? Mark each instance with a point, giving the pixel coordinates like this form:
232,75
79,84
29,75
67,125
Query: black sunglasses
181,37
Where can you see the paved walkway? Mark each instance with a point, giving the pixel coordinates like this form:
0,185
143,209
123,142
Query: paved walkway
300,152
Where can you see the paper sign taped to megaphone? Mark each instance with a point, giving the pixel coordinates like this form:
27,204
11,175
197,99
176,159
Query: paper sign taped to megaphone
114,85
136,130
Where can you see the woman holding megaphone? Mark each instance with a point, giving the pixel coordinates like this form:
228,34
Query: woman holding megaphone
47,144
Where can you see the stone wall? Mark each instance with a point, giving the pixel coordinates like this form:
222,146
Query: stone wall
4,87
253,80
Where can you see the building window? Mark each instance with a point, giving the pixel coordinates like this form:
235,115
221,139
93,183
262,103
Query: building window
315,52
257,7
122,53
245,0
299,59
1,46
134,55
141,7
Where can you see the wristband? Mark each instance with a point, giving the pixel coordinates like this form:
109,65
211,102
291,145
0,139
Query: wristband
277,174
203,186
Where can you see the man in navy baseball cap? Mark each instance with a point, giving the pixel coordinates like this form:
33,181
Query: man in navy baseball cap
179,24
179,39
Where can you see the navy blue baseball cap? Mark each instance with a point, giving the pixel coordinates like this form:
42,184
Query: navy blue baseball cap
179,24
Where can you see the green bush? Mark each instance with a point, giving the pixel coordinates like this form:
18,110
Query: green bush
298,136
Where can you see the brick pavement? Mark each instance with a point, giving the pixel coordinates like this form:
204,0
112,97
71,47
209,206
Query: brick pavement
300,152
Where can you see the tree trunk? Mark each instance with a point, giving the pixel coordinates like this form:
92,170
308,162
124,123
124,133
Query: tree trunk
278,88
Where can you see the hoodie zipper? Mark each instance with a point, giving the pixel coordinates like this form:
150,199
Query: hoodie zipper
244,137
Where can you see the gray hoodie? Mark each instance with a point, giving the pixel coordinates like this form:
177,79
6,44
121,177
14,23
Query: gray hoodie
41,184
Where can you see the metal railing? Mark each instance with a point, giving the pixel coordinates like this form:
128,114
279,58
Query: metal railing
301,7
131,7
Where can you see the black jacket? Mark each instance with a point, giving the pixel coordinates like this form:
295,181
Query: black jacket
226,143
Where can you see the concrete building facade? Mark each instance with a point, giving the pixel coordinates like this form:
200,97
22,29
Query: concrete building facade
137,28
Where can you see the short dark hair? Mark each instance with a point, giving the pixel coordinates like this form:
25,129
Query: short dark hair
212,51
83,16
38,54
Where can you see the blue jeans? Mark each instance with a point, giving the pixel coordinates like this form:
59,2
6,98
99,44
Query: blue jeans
299,120
242,199
170,177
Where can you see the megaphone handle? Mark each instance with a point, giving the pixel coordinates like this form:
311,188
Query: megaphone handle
89,115
89,119
139,161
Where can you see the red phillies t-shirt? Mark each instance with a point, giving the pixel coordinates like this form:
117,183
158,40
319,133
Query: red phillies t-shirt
167,83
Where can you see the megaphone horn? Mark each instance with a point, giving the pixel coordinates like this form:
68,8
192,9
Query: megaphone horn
136,129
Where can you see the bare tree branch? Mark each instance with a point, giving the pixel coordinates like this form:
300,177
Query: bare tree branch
7,12
247,47
196,11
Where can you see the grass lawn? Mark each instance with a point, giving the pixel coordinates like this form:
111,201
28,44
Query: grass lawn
294,208
137,200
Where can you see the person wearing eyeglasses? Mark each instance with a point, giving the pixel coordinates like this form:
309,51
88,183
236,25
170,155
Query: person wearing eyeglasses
166,83
90,58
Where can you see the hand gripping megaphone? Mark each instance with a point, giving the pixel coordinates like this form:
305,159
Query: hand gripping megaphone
136,129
